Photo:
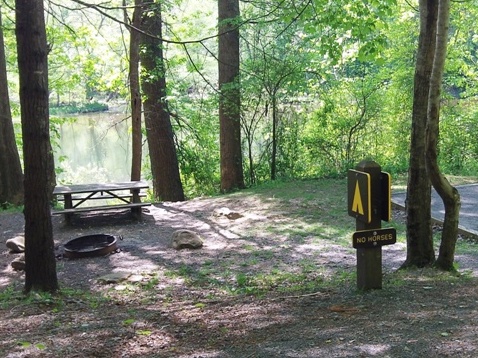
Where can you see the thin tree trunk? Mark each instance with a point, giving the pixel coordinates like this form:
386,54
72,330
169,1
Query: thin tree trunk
249,137
167,184
448,193
40,263
420,250
232,176
274,137
11,176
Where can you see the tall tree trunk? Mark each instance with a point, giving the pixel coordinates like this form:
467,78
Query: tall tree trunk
162,150
448,193
135,94
11,176
274,136
40,269
232,176
420,251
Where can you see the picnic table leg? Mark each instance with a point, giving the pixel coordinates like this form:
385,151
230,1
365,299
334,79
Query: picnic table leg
135,198
68,205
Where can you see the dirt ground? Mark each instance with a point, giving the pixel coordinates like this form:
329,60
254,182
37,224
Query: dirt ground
251,291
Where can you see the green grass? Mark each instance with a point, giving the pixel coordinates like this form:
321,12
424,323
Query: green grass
12,296
9,208
467,246
312,212
312,206
309,212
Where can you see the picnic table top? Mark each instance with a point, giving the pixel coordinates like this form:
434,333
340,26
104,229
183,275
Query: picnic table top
89,188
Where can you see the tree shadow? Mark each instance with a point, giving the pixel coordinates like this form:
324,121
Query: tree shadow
194,304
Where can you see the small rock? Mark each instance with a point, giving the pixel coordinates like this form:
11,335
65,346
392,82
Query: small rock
19,263
186,239
231,215
16,244
135,278
114,277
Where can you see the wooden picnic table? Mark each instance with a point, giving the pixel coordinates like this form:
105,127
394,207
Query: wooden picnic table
126,195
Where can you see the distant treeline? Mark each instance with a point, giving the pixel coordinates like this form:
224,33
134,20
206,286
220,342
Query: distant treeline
72,108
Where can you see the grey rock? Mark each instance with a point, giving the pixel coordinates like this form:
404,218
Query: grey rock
186,239
19,263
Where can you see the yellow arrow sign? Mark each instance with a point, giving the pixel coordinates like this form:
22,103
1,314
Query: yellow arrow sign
357,205
359,195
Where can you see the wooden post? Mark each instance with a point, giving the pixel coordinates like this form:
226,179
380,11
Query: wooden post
369,260
135,198
68,204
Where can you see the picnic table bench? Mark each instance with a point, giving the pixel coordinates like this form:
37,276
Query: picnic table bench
126,195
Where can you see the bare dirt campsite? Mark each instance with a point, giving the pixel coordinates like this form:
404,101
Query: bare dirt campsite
276,277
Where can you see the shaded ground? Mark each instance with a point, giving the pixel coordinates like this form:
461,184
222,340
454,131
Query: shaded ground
275,279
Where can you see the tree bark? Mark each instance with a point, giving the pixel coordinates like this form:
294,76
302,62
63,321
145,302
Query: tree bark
232,176
275,122
11,176
448,193
135,93
420,250
167,184
40,269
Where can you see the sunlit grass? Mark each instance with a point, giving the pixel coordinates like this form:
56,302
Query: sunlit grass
13,296
305,220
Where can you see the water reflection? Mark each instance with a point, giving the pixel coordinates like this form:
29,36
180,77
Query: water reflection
94,148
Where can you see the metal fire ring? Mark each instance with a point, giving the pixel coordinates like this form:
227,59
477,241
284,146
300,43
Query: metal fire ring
90,245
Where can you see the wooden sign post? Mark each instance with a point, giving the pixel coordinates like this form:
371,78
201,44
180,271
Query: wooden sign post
369,201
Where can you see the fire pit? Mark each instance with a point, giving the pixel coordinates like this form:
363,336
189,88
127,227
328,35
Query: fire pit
90,245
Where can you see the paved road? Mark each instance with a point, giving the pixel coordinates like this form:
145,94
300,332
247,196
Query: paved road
468,211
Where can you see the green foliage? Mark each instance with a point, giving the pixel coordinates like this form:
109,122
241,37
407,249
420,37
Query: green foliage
458,149
9,208
87,57
197,133
327,95
75,108
334,78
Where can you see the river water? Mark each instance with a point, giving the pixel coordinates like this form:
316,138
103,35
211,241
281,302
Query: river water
94,148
